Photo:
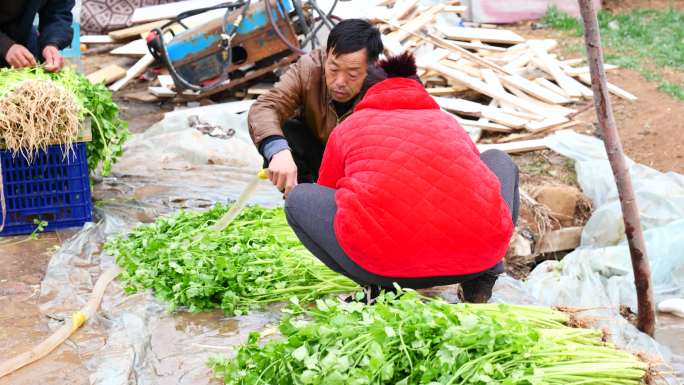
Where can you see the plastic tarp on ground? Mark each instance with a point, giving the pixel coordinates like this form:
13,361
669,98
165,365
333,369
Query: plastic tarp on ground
135,341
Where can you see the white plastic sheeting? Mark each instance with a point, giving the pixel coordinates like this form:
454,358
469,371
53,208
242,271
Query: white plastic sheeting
599,272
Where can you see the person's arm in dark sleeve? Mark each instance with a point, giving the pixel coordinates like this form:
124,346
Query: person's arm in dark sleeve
55,24
5,43
272,145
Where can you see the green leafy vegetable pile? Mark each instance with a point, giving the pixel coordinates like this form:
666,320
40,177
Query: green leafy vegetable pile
255,261
407,339
109,132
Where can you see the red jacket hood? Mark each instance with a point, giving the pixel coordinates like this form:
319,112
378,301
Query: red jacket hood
395,94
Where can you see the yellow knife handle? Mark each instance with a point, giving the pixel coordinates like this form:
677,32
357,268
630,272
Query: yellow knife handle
263,174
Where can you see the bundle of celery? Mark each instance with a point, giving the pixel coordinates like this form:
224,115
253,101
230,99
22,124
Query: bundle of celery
255,261
41,108
408,339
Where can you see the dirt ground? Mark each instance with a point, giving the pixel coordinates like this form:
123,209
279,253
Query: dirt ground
621,5
651,127
22,267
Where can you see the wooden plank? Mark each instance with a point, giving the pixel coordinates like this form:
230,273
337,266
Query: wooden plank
560,110
586,78
467,107
519,63
515,147
464,67
140,96
501,36
483,88
392,45
546,131
521,114
107,75
417,23
456,9
497,116
493,80
402,8
96,39
535,89
169,10
572,62
135,48
576,71
544,82
161,92
478,46
135,31
433,57
485,126
550,65
452,45
559,240
546,123
166,81
133,72
445,91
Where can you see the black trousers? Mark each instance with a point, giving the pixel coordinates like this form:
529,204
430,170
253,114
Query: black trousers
310,211
307,150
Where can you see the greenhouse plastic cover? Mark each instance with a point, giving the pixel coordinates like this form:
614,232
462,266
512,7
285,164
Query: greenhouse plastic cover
134,340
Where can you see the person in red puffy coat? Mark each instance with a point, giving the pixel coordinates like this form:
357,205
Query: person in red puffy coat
404,196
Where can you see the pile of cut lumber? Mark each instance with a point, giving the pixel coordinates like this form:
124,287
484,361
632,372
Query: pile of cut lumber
490,79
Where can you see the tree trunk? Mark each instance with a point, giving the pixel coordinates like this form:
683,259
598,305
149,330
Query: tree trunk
611,139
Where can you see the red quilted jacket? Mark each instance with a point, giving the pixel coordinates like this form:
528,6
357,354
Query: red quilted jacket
413,197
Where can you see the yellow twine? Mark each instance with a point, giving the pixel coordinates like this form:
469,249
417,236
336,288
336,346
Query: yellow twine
77,320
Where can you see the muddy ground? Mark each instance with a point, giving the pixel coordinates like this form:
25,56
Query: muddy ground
651,133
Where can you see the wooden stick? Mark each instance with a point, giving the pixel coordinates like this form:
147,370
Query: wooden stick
135,71
136,31
611,139
70,326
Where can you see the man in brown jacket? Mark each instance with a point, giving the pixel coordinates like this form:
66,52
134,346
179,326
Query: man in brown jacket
291,123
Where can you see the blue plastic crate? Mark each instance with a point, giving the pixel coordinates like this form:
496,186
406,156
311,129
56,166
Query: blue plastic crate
53,188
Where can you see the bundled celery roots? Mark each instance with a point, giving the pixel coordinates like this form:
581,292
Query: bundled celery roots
38,108
36,112
257,260
407,339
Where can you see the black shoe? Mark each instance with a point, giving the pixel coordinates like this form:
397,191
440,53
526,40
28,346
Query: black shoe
479,289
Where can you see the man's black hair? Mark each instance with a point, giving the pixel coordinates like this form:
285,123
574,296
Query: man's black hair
352,35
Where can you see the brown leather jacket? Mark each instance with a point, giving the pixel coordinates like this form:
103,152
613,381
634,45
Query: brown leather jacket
301,92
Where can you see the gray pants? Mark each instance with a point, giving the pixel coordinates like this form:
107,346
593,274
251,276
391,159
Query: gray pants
310,210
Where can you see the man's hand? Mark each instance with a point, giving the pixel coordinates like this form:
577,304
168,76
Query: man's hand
19,57
282,171
53,60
